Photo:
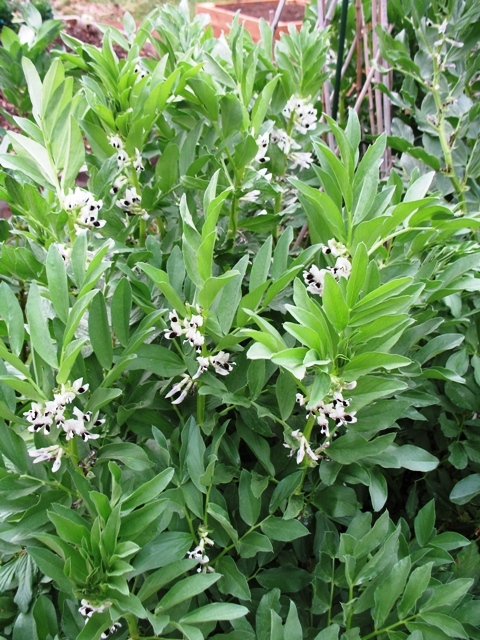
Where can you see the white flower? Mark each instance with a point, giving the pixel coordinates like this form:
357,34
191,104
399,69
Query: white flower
195,321
251,196
315,279
87,610
181,388
122,158
303,113
118,184
64,251
300,399
203,363
130,200
138,163
342,268
303,447
110,630
140,71
264,173
262,142
76,426
116,142
322,422
194,337
336,249
45,454
199,554
301,159
221,364
76,199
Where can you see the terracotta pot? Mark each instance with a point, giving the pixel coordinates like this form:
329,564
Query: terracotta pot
221,15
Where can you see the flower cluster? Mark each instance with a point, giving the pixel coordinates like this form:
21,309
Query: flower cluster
220,362
87,610
329,416
87,208
181,389
186,327
123,159
303,114
315,277
199,552
53,414
334,410
303,448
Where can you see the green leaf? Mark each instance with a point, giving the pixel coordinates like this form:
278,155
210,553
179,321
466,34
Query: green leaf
75,315
186,589
447,624
293,628
101,397
261,265
157,580
57,283
99,331
416,586
38,327
249,505
121,309
233,582
330,633
160,278
283,530
357,275
11,312
215,611
74,154
212,287
352,447
465,490
166,548
284,489
148,490
414,458
334,304
390,589
159,360
366,362
424,523
133,456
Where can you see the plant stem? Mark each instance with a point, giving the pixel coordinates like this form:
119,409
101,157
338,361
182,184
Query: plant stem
132,627
376,633
442,134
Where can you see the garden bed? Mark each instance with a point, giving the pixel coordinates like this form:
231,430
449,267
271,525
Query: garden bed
221,15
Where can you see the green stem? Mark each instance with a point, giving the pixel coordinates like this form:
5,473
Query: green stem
394,235
332,591
442,134
200,409
50,483
376,633
233,225
142,232
132,627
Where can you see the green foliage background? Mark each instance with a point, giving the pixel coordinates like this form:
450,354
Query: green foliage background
190,519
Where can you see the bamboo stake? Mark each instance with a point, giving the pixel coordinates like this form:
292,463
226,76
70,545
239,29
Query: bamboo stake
387,107
277,16
366,53
375,51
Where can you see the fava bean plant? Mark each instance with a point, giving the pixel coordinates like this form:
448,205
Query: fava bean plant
226,360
